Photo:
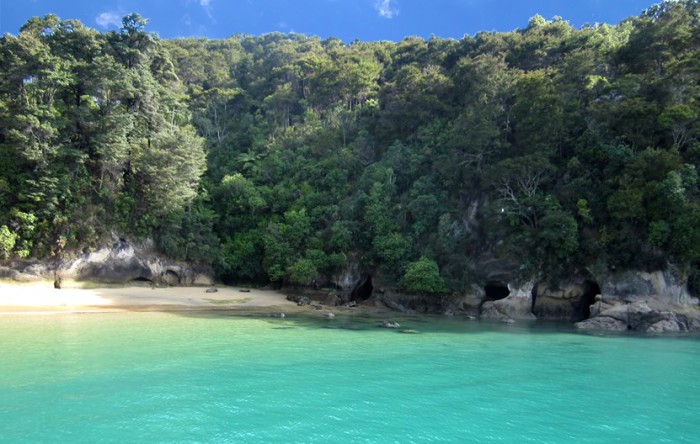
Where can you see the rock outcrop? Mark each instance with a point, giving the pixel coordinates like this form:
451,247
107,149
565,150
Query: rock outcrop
641,316
653,302
412,303
569,301
512,307
667,286
122,263
348,278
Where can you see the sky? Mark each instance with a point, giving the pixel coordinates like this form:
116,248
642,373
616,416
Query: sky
366,20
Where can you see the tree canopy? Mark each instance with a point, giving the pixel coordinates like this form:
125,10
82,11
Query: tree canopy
288,158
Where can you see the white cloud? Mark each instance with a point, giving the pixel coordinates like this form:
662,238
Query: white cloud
385,8
109,18
206,4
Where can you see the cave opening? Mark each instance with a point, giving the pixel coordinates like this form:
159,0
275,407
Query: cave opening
141,281
171,278
363,290
496,290
591,289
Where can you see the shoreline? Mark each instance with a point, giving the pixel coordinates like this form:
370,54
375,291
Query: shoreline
41,298
76,297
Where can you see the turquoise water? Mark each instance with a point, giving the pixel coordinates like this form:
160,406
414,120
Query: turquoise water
158,377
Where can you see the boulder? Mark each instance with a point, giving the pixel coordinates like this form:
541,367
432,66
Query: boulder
303,301
490,312
515,307
470,302
664,326
331,300
299,299
641,317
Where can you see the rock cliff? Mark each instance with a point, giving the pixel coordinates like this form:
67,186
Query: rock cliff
121,263
632,300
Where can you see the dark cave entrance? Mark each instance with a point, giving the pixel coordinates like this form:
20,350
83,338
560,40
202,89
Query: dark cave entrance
171,278
363,290
495,291
141,281
591,289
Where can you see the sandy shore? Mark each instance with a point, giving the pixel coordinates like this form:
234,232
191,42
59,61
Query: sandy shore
43,298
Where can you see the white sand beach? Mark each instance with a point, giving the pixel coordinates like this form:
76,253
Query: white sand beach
41,297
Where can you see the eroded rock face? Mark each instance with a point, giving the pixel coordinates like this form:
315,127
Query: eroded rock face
571,301
28,270
122,263
348,278
666,286
641,317
516,306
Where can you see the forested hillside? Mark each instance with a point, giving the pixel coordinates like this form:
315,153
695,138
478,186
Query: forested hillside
557,148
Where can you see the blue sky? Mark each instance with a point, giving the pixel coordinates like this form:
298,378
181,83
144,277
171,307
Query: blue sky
367,20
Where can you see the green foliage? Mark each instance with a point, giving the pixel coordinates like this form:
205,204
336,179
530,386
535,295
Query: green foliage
241,257
96,136
392,252
7,241
188,234
423,276
302,272
285,158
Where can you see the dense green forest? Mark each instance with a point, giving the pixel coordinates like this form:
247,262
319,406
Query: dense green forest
285,158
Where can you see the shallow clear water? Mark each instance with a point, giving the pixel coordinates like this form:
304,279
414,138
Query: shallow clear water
158,377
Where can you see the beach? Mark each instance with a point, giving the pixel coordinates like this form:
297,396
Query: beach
42,297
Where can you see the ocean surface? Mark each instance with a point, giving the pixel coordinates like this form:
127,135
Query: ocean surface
169,377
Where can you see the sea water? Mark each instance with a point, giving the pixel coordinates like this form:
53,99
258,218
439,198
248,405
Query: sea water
169,377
